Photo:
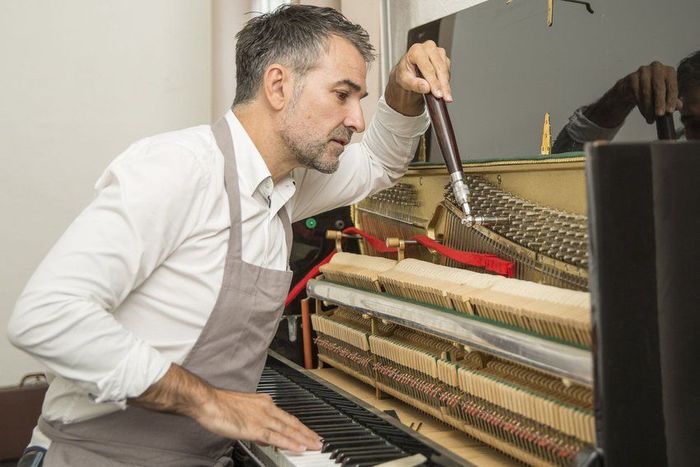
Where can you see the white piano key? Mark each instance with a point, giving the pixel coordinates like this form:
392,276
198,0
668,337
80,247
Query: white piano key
309,458
283,458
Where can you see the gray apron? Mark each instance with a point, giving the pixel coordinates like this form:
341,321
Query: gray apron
229,353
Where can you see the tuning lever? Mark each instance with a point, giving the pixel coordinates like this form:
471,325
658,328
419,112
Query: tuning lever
665,129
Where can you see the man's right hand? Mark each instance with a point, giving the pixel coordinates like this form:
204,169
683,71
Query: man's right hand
233,415
255,417
652,88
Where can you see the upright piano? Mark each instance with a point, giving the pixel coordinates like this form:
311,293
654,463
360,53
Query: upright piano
586,356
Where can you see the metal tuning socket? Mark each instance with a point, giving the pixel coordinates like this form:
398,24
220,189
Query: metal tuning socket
442,128
461,193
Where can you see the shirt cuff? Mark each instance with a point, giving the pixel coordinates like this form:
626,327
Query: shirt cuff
139,369
399,124
583,130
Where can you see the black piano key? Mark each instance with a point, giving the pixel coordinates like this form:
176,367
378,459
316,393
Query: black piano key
326,425
340,455
325,419
311,402
329,436
311,413
331,445
339,446
302,404
298,403
376,458
346,438
340,432
334,427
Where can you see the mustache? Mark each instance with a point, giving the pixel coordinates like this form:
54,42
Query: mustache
341,133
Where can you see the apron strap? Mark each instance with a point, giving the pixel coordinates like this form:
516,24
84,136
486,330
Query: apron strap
224,140
222,134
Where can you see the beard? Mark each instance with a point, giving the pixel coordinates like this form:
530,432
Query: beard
322,154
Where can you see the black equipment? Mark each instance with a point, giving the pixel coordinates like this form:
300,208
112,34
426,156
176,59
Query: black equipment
643,225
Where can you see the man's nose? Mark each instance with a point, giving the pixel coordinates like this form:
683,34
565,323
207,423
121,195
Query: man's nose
355,119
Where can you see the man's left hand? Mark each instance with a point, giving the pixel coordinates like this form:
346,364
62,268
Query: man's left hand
424,69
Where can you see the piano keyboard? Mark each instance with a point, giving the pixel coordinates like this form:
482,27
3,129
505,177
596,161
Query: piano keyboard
354,436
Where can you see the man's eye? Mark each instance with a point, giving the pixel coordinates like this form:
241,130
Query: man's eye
342,96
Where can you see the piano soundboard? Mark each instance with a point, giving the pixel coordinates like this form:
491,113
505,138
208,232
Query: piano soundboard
355,434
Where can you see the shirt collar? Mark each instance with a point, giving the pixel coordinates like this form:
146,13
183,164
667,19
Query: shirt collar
252,170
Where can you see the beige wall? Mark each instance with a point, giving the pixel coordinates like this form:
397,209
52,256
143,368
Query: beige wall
404,15
366,14
327,3
81,80
228,17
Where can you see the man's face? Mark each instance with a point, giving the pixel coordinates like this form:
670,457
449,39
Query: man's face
325,110
690,113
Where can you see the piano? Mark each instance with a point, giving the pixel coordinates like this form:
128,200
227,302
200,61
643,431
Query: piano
534,366
354,433
408,330
585,355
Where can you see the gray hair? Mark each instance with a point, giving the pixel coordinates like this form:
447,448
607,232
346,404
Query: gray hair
292,35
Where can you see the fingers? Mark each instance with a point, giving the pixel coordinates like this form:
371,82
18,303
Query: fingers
645,98
659,86
274,438
255,417
292,427
287,436
655,89
632,82
438,57
278,428
673,103
431,62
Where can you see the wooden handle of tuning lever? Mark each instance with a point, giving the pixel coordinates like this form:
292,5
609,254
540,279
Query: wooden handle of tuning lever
445,135
442,127
665,128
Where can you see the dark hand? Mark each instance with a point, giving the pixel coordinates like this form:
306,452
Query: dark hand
405,89
652,88
233,415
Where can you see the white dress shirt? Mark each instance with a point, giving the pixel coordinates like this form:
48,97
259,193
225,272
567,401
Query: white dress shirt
129,286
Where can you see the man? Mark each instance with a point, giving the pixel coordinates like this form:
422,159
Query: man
655,89
155,308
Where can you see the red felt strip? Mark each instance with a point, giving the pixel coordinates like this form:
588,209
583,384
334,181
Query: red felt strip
376,243
483,260
301,285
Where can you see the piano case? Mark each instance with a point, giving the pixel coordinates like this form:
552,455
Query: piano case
20,407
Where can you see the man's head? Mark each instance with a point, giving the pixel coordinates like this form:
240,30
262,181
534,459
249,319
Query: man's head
688,73
308,65
294,35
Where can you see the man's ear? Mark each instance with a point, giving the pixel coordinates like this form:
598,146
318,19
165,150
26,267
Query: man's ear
277,85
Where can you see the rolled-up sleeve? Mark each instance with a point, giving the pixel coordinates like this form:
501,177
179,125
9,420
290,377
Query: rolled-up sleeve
375,163
580,130
147,203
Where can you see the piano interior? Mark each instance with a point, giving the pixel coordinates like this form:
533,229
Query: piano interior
516,362
534,415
